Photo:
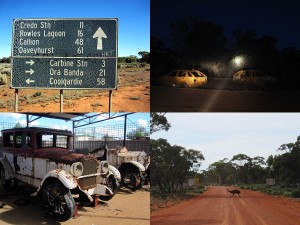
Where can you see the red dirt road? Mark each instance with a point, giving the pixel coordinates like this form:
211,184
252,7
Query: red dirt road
217,206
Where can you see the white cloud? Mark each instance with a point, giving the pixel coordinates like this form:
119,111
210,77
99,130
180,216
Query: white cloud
105,117
23,122
143,123
119,118
16,115
108,131
11,115
59,127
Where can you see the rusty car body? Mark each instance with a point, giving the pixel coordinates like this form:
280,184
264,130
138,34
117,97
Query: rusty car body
184,78
252,77
42,158
131,165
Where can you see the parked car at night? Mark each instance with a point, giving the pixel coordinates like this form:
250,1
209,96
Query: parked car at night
252,77
42,158
184,78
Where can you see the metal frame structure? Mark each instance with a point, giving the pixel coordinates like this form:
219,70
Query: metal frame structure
81,122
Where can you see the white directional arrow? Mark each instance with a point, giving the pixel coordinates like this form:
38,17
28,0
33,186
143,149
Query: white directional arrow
28,81
31,62
99,34
31,71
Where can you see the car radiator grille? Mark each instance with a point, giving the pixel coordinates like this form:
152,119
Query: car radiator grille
87,182
89,166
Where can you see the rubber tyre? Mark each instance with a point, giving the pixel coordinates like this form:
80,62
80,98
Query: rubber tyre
133,180
147,176
112,183
6,184
59,201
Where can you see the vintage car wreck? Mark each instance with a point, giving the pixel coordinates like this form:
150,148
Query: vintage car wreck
42,158
130,168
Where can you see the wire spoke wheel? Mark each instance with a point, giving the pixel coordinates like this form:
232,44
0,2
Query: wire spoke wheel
133,180
112,183
60,202
5,183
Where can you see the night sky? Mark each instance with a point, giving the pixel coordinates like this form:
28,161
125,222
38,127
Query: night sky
279,19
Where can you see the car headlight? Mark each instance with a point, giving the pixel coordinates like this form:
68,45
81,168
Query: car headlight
76,169
103,166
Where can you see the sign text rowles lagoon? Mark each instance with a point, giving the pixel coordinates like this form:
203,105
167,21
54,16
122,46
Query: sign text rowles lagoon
65,53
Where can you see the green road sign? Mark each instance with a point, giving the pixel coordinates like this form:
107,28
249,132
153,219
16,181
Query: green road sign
65,53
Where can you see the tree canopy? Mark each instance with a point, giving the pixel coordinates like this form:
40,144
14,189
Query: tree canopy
158,122
171,165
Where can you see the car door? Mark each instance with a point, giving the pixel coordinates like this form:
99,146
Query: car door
181,78
171,78
23,161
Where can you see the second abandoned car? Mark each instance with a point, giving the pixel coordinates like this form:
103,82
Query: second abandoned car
41,157
131,168
184,78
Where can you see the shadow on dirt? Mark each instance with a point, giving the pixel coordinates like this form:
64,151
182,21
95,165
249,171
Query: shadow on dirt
21,208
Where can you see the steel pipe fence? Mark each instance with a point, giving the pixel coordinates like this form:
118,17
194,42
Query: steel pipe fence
134,136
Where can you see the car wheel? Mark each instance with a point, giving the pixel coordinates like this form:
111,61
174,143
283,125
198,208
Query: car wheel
147,176
59,201
133,179
112,183
5,183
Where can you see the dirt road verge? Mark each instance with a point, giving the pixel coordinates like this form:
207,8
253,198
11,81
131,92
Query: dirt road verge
217,206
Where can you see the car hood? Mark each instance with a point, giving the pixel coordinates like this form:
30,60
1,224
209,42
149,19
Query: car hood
61,155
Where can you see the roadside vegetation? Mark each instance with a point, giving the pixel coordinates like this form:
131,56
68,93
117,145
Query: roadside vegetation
171,166
292,191
252,173
163,200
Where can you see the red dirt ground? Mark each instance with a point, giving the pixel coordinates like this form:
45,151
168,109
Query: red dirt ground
132,95
170,99
217,206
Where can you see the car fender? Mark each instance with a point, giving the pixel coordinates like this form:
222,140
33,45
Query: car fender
63,176
9,172
115,172
138,165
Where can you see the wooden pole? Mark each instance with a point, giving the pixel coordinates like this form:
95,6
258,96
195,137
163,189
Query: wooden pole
110,101
61,100
16,99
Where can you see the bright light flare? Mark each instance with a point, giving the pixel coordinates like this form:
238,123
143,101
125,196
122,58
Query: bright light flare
238,60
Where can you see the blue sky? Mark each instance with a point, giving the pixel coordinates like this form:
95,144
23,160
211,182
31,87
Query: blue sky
133,17
142,119
223,135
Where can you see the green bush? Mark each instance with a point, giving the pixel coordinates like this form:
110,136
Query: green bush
2,104
37,94
287,194
295,194
3,79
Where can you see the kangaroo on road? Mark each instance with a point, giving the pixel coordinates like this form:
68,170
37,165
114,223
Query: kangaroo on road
235,191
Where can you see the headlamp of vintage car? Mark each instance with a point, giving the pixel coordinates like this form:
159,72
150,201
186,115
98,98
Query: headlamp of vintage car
76,169
103,167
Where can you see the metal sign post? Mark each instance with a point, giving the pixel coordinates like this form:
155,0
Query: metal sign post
61,93
16,99
65,54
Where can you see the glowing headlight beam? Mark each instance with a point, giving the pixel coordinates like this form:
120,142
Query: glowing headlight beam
238,60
